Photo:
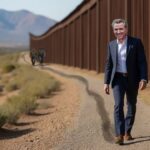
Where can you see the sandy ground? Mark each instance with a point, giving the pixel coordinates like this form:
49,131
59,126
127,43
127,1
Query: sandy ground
94,128
45,128
80,118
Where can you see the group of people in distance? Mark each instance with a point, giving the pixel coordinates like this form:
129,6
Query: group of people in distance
37,56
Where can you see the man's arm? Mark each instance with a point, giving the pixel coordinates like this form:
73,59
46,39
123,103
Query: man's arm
108,67
142,66
108,71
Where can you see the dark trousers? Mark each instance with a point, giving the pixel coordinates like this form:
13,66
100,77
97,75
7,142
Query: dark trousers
124,123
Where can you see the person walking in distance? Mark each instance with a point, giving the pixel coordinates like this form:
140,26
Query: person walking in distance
126,70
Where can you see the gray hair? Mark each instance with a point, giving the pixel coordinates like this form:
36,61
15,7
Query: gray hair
116,21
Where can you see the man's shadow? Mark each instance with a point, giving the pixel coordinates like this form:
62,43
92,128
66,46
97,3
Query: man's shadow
138,140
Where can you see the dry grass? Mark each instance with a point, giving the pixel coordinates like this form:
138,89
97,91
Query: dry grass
31,84
8,62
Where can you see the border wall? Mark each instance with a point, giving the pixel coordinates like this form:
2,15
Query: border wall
80,40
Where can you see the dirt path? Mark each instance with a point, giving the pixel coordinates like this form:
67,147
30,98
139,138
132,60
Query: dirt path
94,127
45,128
92,119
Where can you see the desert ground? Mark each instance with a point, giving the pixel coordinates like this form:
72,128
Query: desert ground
80,116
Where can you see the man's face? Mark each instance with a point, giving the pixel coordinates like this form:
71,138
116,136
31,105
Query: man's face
120,31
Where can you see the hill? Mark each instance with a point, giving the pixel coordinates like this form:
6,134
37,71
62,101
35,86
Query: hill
15,27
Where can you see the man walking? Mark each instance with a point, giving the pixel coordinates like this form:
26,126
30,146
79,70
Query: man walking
126,70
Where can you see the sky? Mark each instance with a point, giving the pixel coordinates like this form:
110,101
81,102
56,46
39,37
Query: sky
54,9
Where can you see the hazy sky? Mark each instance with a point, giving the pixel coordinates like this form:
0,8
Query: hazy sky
55,9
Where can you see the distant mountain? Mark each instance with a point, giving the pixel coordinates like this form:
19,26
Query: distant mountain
16,25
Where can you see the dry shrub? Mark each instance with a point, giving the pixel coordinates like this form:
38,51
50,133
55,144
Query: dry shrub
40,89
15,106
8,59
8,68
31,83
35,83
3,117
11,87
1,88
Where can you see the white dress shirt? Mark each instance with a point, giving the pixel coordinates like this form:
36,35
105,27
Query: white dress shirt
121,56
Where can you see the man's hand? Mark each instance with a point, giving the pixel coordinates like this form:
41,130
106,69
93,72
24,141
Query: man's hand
142,84
106,88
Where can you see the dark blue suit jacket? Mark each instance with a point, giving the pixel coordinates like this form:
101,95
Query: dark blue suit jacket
135,62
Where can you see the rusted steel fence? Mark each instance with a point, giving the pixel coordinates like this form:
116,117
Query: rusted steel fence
80,40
